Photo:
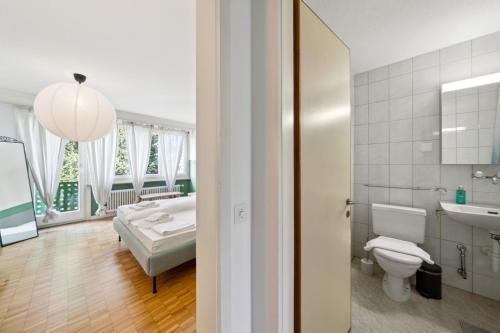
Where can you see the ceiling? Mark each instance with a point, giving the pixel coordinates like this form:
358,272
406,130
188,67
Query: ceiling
385,31
142,57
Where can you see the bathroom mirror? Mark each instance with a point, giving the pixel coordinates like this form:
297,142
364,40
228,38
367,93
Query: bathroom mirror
470,121
17,215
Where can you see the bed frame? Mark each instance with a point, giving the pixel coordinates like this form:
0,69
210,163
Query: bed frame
154,263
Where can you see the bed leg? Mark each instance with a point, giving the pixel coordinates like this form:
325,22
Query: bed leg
119,238
154,284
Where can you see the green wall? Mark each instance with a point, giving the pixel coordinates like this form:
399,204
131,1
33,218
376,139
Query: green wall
186,187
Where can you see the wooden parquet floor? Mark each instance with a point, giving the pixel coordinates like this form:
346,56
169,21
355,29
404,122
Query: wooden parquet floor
79,278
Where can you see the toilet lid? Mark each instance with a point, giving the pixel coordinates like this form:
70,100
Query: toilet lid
398,257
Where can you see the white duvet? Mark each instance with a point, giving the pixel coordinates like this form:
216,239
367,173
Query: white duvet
127,214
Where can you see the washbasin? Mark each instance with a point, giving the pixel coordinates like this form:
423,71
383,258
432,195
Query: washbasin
481,216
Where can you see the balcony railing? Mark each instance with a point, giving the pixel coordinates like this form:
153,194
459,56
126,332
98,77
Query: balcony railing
66,198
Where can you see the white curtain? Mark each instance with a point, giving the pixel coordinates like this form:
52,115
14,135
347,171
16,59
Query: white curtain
170,148
100,156
495,159
138,140
45,155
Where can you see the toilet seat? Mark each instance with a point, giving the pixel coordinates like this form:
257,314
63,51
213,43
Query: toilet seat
398,257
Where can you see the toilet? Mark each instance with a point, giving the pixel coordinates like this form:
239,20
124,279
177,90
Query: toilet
400,229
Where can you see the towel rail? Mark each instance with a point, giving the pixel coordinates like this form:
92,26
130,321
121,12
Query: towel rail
417,188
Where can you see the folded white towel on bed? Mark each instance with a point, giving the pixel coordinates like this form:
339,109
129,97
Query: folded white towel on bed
156,217
400,246
147,224
144,205
172,227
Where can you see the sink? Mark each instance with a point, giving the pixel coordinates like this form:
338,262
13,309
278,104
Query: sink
481,216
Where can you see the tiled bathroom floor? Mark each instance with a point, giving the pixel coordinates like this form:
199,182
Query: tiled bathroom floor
373,311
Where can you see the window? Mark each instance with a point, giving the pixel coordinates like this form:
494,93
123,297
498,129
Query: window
122,166
153,156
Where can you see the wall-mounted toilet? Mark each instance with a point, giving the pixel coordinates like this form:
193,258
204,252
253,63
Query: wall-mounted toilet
400,229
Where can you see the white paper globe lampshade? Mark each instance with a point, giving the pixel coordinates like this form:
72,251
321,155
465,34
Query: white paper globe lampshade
74,112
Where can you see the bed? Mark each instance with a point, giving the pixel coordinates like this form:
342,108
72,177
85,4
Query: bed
155,253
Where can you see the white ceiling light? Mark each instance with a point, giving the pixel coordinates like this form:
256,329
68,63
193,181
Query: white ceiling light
74,112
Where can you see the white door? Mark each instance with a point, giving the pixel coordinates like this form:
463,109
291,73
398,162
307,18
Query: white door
324,172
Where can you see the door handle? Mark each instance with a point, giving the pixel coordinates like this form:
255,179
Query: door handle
348,202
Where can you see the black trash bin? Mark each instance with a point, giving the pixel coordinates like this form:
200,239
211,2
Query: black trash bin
429,281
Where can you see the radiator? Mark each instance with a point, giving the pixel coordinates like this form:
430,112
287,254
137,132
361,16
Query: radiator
119,198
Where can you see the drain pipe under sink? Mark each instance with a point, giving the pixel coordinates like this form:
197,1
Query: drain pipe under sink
462,270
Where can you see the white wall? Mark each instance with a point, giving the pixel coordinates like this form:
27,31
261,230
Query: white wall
397,113
7,120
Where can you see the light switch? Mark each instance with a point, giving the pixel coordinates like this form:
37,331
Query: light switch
240,213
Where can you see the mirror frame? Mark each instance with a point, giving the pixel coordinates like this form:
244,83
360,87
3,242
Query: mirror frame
6,139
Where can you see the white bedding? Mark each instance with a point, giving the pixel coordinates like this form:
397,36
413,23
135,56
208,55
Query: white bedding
127,214
155,242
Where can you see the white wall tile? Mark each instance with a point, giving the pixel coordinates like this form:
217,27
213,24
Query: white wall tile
486,137
379,175
401,130
468,139
488,100
378,91
360,213
400,197
426,60
426,80
426,128
455,52
361,95
360,194
400,108
360,232
429,200
360,79
468,120
449,155
486,198
449,139
426,152
400,86
452,278
487,118
486,286
401,153
400,68
433,247
486,44
379,74
379,153
486,64
361,115
378,195
379,133
426,175
482,263
361,134
360,174
361,154
485,154
452,230
481,237
455,71
378,112
426,104
401,175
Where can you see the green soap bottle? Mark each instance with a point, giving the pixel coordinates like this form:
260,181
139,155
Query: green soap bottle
460,195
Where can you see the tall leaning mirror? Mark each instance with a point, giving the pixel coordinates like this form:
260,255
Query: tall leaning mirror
470,121
17,215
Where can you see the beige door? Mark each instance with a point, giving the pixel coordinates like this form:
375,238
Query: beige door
323,233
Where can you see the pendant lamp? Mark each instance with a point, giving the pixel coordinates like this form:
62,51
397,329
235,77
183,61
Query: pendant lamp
74,111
